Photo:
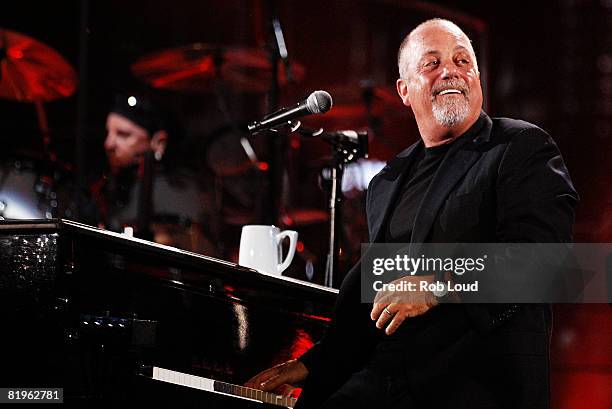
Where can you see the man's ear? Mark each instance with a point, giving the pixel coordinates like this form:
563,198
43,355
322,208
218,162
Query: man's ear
159,142
402,90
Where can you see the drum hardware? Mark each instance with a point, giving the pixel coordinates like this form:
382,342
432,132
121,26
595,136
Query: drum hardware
361,103
277,147
208,68
238,173
33,72
281,122
244,141
200,67
28,190
365,105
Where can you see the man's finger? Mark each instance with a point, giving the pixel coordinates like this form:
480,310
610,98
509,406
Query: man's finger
377,309
385,316
285,389
272,383
255,382
395,323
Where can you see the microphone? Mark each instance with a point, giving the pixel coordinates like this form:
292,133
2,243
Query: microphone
316,103
345,136
348,144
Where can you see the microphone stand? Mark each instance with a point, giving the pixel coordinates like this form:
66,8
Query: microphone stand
347,147
335,211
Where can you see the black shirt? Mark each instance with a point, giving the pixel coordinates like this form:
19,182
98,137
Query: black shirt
417,179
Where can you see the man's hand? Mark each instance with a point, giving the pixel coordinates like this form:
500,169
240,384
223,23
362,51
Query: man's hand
279,378
391,308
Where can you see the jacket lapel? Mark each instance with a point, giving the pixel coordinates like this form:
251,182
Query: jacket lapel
459,159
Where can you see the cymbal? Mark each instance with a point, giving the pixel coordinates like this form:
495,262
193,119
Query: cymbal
32,71
357,104
200,67
365,93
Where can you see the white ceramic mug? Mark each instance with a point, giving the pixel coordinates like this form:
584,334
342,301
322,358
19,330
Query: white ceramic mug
261,248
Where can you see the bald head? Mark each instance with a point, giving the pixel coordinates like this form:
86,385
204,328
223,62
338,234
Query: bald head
413,40
439,80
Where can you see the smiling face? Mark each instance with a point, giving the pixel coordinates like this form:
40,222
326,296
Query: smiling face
440,79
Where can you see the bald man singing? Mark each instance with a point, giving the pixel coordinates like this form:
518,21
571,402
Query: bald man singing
470,179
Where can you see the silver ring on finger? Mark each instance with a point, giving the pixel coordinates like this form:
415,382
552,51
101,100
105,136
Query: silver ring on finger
389,313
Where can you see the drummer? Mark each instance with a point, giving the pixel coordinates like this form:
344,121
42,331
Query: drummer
138,131
134,127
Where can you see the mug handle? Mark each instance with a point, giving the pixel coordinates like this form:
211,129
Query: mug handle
293,235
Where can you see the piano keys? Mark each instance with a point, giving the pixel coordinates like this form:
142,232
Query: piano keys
224,388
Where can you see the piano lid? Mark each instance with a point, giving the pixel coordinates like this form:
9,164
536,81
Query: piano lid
160,250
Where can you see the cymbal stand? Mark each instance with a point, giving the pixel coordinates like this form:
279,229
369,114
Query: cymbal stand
276,146
220,92
43,125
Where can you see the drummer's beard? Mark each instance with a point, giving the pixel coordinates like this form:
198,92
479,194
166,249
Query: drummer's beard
113,163
116,164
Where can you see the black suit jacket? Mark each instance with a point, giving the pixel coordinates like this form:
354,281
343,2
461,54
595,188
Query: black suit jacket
502,181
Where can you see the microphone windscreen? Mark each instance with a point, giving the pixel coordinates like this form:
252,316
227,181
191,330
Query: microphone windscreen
319,102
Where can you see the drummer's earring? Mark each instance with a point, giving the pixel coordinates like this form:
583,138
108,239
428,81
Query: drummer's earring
158,144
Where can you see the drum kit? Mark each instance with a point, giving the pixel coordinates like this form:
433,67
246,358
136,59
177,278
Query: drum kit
33,72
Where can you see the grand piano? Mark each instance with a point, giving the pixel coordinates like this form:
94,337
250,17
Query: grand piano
100,314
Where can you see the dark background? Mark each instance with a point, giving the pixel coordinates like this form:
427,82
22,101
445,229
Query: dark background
548,62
